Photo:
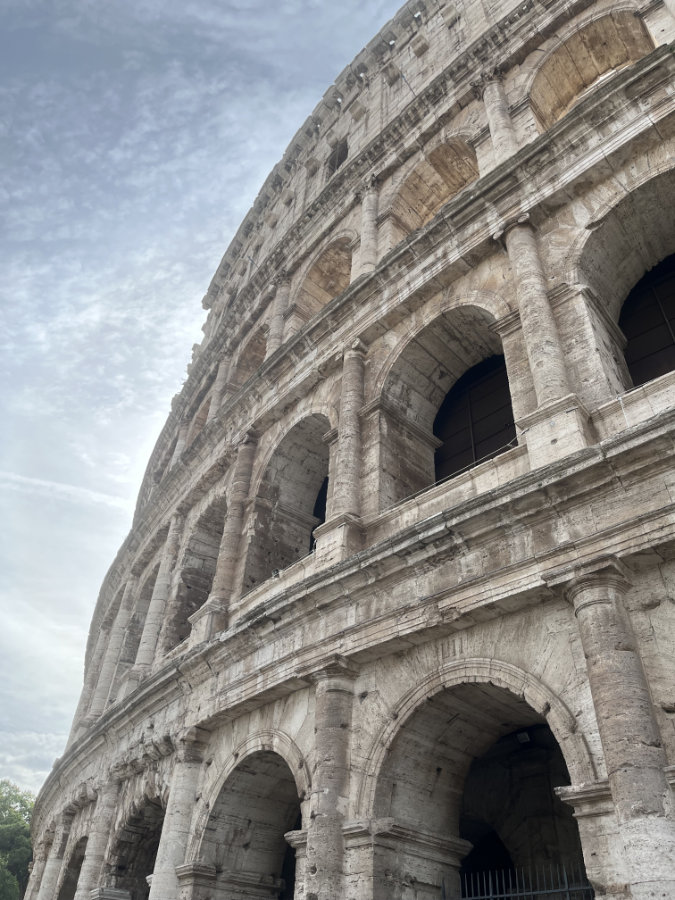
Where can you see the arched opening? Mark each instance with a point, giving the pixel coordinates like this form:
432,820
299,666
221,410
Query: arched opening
446,404
244,838
251,357
475,420
337,157
198,422
72,873
132,636
197,569
648,322
291,501
328,277
628,251
132,860
439,176
469,784
599,48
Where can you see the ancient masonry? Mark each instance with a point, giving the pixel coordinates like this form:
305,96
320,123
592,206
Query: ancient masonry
396,616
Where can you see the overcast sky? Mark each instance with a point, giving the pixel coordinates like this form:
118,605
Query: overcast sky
135,135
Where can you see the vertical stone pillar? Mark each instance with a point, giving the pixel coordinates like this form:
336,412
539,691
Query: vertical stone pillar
334,695
219,384
540,333
181,440
83,717
275,335
37,867
52,869
629,733
112,651
99,834
160,594
212,616
502,132
178,818
369,207
347,488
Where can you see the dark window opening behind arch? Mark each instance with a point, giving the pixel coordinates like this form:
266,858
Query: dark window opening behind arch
648,322
337,157
475,420
319,511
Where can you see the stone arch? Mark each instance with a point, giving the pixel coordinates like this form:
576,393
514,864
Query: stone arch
417,377
630,235
196,570
595,48
435,178
419,765
133,633
198,421
134,844
250,357
71,874
260,741
292,483
254,804
326,276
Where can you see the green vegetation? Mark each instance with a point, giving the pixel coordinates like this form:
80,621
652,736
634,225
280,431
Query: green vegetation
16,808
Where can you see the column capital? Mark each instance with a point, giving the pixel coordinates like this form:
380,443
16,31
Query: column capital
355,348
603,572
485,78
335,667
192,744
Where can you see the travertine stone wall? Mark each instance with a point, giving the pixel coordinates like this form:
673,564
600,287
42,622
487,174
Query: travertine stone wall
313,671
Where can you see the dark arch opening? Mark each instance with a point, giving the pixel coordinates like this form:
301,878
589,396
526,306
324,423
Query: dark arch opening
135,851
648,322
337,157
475,420
72,874
468,785
245,835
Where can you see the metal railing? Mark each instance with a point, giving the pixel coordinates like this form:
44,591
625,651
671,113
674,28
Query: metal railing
565,881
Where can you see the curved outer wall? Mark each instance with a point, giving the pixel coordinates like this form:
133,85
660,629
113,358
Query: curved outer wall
484,179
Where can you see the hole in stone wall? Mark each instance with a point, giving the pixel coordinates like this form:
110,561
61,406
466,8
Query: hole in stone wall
337,157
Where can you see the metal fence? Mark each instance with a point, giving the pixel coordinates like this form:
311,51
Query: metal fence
554,882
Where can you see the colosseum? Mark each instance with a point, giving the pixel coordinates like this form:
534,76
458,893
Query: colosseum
395,619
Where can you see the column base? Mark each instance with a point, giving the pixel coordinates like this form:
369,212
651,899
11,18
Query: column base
555,430
109,894
339,538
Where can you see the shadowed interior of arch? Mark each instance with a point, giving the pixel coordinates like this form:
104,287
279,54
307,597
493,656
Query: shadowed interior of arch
440,174
476,764
257,805
291,501
134,850
328,276
447,403
604,45
72,873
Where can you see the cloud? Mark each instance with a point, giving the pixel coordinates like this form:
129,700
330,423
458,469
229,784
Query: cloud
70,492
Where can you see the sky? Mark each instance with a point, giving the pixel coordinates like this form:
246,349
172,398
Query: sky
135,136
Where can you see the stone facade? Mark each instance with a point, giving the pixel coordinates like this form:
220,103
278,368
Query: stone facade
317,668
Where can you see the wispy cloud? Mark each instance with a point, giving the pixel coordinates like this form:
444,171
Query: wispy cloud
70,492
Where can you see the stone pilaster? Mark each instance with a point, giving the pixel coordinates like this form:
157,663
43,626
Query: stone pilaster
212,616
368,256
54,864
502,132
347,489
334,696
176,828
275,334
37,867
629,733
558,426
99,834
160,594
218,389
112,650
